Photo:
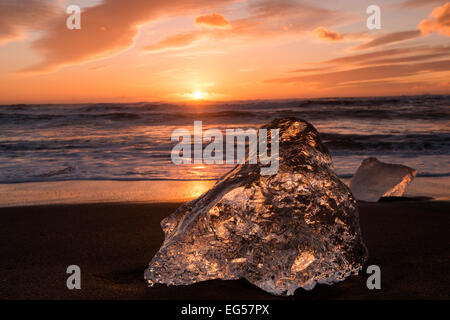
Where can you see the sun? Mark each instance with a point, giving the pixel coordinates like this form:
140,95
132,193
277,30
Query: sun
198,95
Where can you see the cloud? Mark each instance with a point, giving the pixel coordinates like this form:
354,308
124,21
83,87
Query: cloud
106,29
420,3
389,38
385,56
367,73
310,69
438,21
267,19
326,34
213,20
175,41
388,68
409,58
100,67
181,40
19,17
367,56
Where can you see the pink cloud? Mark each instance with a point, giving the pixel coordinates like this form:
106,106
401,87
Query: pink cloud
268,19
19,17
385,56
107,29
409,58
389,38
420,3
439,21
175,41
310,69
213,20
100,67
368,73
326,34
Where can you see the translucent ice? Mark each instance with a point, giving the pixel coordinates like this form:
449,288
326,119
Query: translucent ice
375,179
296,228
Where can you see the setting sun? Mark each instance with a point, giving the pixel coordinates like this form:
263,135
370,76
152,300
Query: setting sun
198,95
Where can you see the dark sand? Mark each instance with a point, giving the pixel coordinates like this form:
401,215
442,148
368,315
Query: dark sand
112,243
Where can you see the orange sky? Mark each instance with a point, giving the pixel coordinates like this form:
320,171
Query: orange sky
140,50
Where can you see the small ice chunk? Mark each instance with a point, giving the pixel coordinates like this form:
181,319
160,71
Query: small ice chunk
375,179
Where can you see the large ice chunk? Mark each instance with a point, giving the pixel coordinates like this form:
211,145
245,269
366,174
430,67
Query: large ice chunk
296,228
375,179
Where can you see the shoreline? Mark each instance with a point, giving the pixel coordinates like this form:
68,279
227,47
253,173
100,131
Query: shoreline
101,191
156,191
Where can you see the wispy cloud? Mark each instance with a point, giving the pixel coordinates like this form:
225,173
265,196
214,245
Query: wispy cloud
438,21
107,29
267,19
310,69
100,67
389,39
394,67
175,41
19,17
421,3
361,57
368,73
384,56
407,59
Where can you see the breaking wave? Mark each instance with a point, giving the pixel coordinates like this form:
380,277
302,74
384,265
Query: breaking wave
131,141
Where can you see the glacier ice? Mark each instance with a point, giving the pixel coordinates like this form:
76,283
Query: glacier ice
375,179
296,228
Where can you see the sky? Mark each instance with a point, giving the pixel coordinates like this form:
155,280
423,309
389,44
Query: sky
171,50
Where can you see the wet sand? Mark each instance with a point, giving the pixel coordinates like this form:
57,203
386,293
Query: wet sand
151,191
112,243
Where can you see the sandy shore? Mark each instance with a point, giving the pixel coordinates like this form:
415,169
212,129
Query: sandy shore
102,191
112,243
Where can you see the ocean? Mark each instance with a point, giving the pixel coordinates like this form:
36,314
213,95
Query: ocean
131,141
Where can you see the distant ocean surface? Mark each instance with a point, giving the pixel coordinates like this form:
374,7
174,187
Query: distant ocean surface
132,141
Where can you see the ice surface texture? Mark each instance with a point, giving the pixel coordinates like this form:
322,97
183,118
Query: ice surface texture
293,229
375,179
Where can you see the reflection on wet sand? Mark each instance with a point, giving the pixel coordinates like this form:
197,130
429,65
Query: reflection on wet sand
35,193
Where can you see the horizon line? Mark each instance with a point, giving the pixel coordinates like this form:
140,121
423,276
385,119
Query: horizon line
205,101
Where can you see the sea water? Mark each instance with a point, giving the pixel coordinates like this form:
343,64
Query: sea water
132,141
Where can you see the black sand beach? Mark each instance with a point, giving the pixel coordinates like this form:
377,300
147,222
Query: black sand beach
112,243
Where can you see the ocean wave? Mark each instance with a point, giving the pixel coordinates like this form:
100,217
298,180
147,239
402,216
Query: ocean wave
220,114
373,109
377,101
57,172
349,102
131,141
388,142
54,178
